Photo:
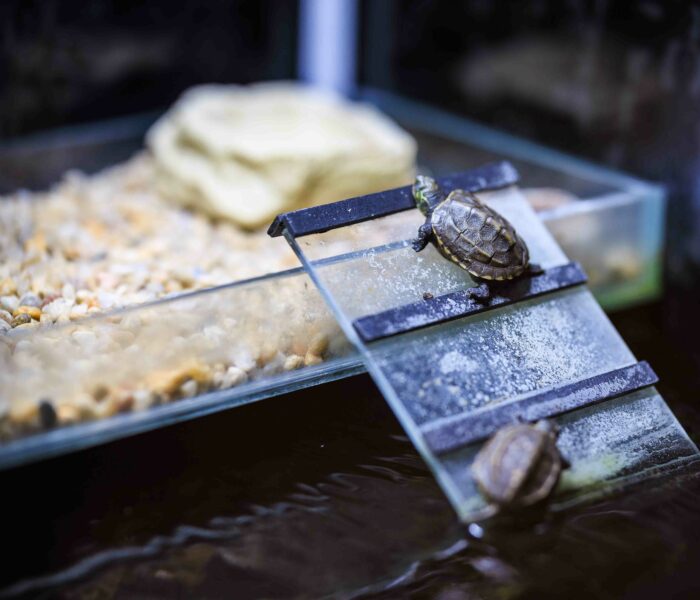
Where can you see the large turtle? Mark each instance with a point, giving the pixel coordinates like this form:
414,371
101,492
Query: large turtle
471,235
518,467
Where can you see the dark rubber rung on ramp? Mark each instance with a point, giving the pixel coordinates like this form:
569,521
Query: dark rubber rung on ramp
325,217
454,305
452,433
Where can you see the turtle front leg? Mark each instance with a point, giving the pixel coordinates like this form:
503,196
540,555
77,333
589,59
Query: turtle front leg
425,235
480,293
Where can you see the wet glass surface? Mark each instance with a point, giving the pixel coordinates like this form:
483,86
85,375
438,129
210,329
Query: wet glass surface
319,494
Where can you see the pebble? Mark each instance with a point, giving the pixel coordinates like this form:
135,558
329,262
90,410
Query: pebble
48,299
107,300
123,402
312,359
83,296
142,399
67,414
9,303
189,388
21,319
233,376
5,326
293,361
5,316
30,299
33,311
58,307
100,393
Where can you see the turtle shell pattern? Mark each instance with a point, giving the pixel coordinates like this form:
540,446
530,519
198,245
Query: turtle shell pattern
518,466
478,239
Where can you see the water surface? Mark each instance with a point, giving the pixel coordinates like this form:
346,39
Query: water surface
320,494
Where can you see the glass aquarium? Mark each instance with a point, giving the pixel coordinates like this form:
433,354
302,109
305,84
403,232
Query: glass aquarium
150,365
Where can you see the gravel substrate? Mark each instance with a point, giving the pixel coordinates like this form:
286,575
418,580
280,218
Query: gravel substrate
96,244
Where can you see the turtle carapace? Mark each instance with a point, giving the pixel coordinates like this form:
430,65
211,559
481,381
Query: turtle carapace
470,234
519,466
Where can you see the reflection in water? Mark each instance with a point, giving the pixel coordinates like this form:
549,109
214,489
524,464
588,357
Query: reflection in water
319,494
384,530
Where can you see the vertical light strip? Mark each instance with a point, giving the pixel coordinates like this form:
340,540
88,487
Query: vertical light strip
328,43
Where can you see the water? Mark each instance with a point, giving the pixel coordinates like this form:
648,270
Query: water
320,494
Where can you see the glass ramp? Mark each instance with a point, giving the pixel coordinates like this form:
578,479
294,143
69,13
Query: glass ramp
454,371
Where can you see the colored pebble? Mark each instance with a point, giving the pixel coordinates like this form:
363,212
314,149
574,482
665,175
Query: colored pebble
21,319
33,311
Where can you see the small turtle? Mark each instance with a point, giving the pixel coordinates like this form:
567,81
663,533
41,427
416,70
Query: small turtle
471,235
518,467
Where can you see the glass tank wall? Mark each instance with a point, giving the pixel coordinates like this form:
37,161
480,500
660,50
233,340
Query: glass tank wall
156,364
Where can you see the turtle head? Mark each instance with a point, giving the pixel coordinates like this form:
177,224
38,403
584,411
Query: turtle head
426,193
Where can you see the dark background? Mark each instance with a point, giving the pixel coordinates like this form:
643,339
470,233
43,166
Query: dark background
69,61
616,81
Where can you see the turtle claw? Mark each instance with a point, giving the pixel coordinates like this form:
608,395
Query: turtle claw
534,269
480,294
419,244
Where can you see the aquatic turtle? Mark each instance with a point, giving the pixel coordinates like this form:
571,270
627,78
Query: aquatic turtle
471,235
519,466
